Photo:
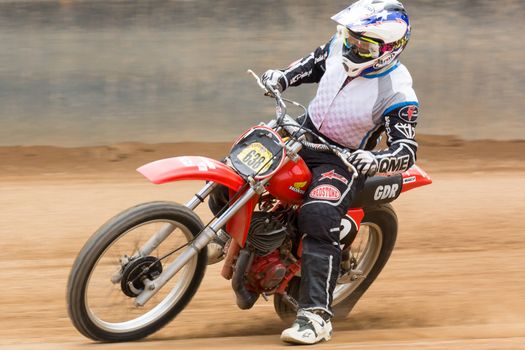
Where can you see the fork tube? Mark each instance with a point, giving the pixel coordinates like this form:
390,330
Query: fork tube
199,197
156,239
167,229
152,287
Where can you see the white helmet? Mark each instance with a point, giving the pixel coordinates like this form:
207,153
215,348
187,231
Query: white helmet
374,33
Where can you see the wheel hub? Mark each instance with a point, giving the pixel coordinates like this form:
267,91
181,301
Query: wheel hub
136,271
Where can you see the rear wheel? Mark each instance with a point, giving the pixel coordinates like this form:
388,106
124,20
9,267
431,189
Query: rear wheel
369,253
111,269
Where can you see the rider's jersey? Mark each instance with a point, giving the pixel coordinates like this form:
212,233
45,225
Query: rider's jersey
353,112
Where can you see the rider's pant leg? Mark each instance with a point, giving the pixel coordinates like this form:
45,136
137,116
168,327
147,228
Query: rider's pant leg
327,200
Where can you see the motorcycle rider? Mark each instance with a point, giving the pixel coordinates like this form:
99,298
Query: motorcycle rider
363,90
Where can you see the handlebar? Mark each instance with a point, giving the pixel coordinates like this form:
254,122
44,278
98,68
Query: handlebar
293,127
271,92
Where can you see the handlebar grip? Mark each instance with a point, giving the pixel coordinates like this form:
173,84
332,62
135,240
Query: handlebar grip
317,147
290,125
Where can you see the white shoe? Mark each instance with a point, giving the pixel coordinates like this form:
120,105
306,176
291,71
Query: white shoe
308,328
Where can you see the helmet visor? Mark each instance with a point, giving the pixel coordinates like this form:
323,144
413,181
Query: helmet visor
361,47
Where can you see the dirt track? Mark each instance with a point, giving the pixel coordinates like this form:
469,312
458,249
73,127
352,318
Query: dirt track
455,279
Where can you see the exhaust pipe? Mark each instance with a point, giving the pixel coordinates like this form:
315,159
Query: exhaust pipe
245,298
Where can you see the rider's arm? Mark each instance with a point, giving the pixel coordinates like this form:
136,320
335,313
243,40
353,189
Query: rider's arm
400,123
309,69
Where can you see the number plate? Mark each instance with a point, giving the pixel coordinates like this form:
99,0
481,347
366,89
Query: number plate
256,157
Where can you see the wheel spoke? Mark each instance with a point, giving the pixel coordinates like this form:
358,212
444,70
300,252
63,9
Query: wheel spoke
109,273
115,311
365,252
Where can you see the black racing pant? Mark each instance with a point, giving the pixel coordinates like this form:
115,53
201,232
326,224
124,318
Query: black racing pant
327,199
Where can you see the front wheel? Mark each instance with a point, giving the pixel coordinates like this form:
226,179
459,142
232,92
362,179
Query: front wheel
367,256
110,269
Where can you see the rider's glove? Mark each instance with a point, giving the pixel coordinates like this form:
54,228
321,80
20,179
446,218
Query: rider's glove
275,79
364,161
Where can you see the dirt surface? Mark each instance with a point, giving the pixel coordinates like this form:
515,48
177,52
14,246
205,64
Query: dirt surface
454,281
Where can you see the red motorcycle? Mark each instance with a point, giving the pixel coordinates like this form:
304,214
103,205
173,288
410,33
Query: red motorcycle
143,266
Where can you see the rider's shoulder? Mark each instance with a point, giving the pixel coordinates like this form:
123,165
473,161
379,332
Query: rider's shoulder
397,78
395,90
401,73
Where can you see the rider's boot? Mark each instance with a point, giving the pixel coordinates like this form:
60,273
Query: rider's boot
216,247
309,328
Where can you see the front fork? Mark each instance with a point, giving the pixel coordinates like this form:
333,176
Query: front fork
167,229
152,287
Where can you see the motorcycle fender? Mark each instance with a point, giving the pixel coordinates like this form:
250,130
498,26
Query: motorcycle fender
415,177
202,168
191,168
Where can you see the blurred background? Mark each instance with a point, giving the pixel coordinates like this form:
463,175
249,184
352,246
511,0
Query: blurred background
77,73
107,86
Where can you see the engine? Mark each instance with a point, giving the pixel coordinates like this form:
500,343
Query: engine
266,233
265,237
266,272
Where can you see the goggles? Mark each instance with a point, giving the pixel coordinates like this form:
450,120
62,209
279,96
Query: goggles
363,47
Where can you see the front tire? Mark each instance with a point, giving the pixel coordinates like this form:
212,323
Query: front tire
97,304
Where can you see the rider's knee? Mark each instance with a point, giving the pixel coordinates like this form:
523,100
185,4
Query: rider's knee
320,221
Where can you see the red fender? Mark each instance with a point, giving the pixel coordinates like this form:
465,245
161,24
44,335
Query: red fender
191,168
202,168
415,177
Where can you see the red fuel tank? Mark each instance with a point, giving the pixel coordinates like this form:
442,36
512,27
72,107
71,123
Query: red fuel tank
290,182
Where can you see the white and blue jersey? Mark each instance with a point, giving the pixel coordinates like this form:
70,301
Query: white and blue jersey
353,112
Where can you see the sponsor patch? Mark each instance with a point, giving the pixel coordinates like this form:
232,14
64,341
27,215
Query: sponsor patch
333,175
409,113
328,192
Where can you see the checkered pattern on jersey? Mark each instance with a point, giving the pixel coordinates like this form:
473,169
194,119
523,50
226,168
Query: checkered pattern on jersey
343,115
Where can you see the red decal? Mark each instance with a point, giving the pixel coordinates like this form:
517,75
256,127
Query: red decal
410,112
325,192
333,175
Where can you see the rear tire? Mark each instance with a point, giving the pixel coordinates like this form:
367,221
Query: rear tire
86,320
385,218
382,220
